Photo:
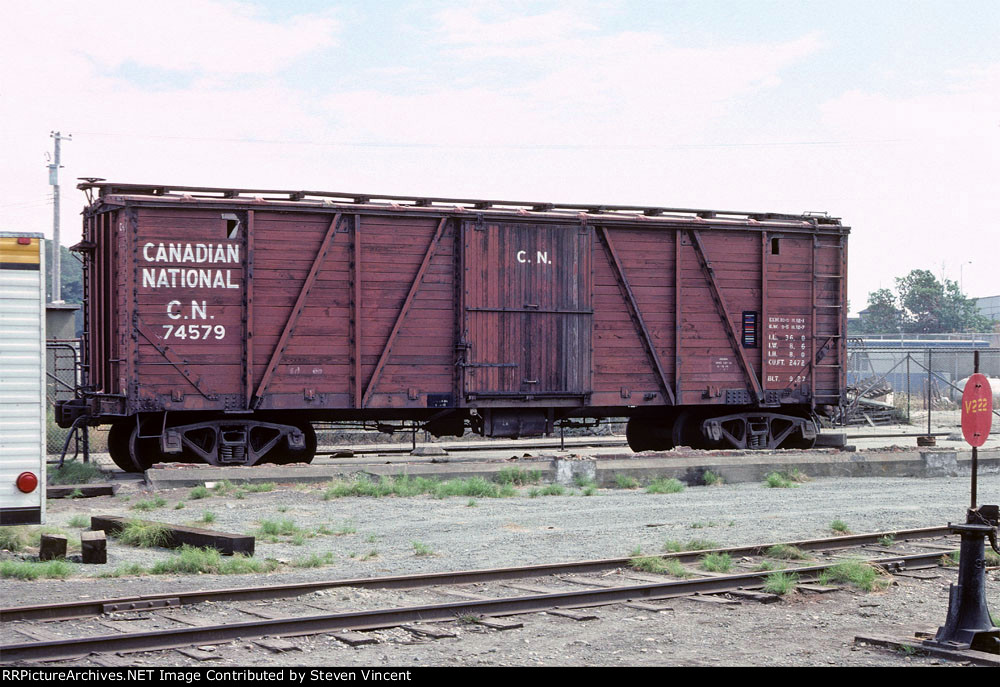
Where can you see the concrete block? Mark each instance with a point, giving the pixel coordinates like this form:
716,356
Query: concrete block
940,463
568,471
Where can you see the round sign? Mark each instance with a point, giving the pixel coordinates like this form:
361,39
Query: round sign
977,410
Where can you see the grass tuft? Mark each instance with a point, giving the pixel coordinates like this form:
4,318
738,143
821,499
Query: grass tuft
79,521
776,480
285,527
711,479
780,583
857,573
313,561
74,472
200,492
191,560
33,570
144,534
11,539
665,486
787,552
626,482
717,562
149,504
518,477
421,549
840,527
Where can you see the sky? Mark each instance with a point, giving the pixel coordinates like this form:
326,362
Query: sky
885,114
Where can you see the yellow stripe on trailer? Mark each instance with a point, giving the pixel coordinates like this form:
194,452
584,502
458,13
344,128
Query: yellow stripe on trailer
13,252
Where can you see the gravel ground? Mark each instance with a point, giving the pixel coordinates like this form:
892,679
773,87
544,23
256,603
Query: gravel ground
464,533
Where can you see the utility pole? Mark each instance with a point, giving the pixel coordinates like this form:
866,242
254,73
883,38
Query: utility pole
54,183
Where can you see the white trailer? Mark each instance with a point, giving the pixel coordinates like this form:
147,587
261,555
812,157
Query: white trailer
22,378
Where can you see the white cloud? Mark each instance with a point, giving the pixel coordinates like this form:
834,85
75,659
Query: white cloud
209,36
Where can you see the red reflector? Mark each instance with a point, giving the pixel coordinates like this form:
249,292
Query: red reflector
27,482
23,241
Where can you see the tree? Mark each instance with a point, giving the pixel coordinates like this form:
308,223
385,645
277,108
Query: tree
882,316
925,306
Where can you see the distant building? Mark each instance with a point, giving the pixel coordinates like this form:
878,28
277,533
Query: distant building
989,306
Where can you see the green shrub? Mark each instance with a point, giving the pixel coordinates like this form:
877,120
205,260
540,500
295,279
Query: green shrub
421,549
839,526
79,521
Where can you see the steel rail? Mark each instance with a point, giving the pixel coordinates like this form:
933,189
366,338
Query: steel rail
393,617
93,607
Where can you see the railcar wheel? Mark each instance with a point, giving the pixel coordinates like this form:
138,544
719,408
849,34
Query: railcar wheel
130,452
637,435
685,430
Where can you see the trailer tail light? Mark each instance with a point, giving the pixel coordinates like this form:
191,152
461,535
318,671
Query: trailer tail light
23,241
27,482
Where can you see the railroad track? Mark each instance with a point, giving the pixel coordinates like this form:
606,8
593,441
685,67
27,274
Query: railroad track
618,584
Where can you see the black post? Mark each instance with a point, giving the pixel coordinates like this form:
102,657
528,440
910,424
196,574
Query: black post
930,371
909,399
969,625
975,449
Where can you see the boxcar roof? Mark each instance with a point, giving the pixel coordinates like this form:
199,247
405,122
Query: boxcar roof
110,193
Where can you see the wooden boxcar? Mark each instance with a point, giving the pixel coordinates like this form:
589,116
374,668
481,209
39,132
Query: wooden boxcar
221,322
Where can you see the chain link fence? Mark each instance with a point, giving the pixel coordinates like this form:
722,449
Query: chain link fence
62,372
897,381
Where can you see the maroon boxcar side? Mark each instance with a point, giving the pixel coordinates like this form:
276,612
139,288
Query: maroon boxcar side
220,322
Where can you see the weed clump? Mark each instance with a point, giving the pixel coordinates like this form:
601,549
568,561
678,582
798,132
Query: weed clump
626,482
73,472
149,504
787,552
518,477
665,486
144,534
780,583
33,570
717,562
860,574
711,479
777,480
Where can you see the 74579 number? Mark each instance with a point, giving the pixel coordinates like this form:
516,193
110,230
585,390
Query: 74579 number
194,331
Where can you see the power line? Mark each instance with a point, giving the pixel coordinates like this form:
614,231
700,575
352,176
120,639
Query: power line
504,146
